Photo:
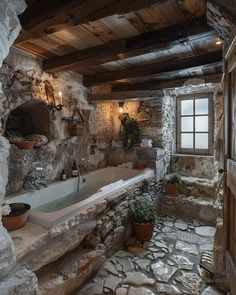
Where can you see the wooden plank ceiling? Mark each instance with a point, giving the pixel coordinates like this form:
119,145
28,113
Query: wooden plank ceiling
125,43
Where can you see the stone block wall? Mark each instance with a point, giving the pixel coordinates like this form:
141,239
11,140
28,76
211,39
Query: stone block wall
199,165
194,165
14,278
24,82
156,120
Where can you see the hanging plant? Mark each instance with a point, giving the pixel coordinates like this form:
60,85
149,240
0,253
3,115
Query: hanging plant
130,132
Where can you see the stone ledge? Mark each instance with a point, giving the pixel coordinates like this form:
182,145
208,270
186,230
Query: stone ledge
69,273
39,248
200,209
194,165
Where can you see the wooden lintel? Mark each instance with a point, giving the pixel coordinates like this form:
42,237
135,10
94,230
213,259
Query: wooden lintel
40,17
165,84
156,40
125,95
154,68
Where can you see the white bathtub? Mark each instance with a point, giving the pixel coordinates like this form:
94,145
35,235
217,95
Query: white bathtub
65,199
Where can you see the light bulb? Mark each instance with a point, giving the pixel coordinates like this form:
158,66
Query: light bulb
60,95
218,41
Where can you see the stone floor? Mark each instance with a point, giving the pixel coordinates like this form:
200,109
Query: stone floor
168,264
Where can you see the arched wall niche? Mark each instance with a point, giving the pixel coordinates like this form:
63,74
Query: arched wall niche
31,117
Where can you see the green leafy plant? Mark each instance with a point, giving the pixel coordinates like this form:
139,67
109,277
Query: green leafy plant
130,133
142,211
174,178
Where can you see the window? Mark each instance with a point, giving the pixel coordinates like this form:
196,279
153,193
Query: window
195,123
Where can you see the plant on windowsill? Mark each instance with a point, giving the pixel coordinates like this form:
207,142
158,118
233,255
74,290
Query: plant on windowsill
173,184
130,132
143,219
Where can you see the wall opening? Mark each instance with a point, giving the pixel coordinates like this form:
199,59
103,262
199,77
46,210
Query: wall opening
28,121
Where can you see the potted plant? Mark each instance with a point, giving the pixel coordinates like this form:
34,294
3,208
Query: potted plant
173,184
143,219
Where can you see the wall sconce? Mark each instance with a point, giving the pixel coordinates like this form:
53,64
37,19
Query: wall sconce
56,107
60,105
121,107
219,41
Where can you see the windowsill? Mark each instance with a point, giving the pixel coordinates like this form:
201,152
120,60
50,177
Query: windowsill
193,155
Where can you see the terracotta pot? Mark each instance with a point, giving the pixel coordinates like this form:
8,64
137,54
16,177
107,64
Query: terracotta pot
143,231
72,129
25,145
139,166
18,216
171,189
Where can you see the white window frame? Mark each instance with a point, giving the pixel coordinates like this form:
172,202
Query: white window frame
194,150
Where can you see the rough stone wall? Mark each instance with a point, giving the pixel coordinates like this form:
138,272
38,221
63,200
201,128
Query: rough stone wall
156,120
194,165
23,81
168,127
24,282
149,119
202,166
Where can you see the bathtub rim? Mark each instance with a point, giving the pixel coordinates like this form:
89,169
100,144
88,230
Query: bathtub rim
51,219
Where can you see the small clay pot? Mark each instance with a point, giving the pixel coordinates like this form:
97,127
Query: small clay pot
72,129
139,166
25,145
171,189
18,216
143,231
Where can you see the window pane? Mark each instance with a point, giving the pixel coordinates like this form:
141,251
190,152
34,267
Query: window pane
201,124
187,124
201,106
201,141
187,141
187,107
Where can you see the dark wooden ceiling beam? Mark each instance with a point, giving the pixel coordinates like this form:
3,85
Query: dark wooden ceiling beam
154,68
165,84
148,42
125,95
48,16
150,90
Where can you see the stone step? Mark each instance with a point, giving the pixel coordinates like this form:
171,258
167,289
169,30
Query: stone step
189,207
70,272
198,187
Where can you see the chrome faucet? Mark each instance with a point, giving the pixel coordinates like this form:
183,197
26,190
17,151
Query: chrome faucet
36,178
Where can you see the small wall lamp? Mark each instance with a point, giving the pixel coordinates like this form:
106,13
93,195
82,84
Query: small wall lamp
121,107
56,107
219,41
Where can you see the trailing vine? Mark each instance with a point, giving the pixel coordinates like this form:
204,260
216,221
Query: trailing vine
130,132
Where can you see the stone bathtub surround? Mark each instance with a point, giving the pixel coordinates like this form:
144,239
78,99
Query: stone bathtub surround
90,237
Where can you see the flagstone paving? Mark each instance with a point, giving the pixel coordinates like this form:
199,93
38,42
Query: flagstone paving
168,264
